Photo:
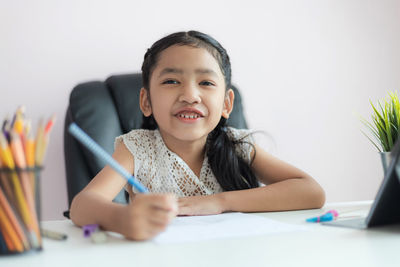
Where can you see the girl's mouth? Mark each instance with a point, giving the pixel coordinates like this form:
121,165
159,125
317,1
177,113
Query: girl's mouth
189,114
188,117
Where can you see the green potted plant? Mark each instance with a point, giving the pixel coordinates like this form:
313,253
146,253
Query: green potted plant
385,126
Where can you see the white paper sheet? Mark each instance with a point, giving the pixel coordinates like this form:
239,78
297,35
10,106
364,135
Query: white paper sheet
199,228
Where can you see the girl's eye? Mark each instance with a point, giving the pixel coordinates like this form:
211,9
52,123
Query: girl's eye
206,83
170,82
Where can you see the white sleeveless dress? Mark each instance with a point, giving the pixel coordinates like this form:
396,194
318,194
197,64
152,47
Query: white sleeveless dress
163,171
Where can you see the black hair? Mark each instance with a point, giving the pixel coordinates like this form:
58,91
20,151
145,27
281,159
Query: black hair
231,171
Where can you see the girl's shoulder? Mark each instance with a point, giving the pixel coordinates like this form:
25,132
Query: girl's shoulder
141,134
244,142
138,133
138,140
240,134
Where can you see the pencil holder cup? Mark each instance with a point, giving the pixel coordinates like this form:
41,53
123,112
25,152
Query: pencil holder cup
20,210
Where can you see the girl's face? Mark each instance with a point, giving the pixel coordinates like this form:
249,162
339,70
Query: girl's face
187,95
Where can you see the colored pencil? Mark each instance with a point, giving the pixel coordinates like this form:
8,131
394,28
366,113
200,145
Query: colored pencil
13,220
50,124
39,143
6,224
3,245
7,239
98,151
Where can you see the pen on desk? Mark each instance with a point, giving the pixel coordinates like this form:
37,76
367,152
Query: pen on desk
326,217
88,142
53,234
88,229
93,231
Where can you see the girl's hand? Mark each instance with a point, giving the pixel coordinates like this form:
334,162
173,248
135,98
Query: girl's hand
147,215
200,205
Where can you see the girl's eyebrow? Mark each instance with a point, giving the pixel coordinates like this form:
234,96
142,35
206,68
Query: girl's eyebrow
180,71
206,71
170,70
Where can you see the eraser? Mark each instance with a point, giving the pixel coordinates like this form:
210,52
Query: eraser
98,237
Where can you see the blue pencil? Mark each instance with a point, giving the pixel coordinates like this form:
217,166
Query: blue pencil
90,144
3,246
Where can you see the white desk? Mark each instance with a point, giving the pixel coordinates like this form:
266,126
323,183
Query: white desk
318,246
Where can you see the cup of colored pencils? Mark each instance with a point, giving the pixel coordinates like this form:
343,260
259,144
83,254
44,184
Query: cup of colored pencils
21,159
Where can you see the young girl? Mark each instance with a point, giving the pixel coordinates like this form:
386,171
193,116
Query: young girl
185,155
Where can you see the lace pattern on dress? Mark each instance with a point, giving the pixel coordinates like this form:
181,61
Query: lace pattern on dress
163,171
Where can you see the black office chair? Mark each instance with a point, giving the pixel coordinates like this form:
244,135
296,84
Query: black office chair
105,110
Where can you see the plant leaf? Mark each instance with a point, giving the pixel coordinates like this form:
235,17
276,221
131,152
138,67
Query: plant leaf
372,141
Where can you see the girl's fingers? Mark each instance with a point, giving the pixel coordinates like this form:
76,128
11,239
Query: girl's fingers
161,217
165,202
153,226
184,211
160,201
150,214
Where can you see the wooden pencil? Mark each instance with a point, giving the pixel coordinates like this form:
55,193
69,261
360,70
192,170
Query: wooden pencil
6,225
13,220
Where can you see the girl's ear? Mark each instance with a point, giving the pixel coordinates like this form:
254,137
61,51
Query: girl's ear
228,103
144,102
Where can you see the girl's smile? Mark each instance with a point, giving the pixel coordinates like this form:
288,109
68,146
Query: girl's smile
189,115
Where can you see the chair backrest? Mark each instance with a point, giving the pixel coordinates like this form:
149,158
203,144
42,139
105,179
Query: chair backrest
106,110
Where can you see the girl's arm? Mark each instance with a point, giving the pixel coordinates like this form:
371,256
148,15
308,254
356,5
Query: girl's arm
144,217
288,188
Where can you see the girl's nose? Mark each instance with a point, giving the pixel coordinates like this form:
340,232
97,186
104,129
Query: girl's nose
190,94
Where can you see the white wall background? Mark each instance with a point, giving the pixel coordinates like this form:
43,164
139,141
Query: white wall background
305,68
